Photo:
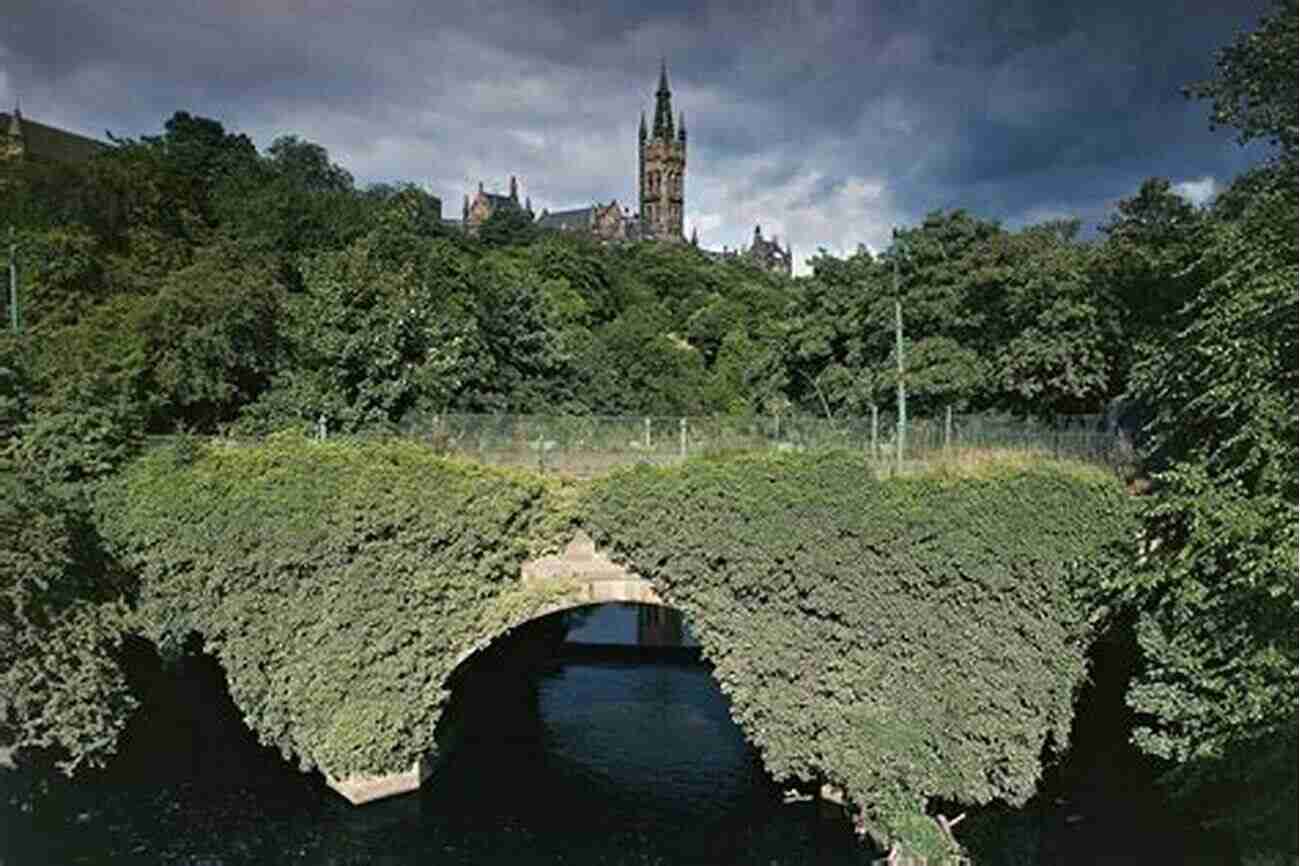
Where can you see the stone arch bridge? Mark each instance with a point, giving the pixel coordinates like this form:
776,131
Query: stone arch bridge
598,580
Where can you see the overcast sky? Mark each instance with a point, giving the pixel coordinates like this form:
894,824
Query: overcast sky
826,121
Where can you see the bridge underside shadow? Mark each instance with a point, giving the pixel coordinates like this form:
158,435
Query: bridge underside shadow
593,578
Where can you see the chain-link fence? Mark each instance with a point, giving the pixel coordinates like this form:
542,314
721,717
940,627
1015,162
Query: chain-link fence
587,445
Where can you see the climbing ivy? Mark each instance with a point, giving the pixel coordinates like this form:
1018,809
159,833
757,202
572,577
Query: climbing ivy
336,583
902,639
905,639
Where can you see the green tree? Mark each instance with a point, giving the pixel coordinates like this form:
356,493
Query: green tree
1218,593
1253,88
1052,345
1145,265
508,226
835,332
371,339
531,329
1216,590
635,365
291,203
61,276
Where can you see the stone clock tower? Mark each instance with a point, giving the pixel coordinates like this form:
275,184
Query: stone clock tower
662,163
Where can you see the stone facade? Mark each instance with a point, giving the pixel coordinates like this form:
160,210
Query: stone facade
769,256
661,189
662,169
608,222
474,212
13,145
764,254
661,197
21,138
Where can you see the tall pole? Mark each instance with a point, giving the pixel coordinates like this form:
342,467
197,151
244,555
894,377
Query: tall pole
902,390
14,320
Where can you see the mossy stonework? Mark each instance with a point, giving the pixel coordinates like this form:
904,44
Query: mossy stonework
901,640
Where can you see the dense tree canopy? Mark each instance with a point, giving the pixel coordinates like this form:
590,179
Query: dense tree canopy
1216,594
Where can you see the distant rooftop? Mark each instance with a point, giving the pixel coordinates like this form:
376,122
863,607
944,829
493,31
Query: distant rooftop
45,142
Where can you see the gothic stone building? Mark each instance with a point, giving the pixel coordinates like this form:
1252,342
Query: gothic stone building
475,211
29,141
661,193
769,256
661,180
764,254
661,177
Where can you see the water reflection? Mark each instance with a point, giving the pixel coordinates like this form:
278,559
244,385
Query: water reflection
582,762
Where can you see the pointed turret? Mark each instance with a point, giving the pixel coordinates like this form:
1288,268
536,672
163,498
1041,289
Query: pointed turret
695,236
464,209
641,133
681,126
16,122
514,189
663,106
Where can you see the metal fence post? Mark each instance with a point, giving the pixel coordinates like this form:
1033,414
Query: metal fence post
15,317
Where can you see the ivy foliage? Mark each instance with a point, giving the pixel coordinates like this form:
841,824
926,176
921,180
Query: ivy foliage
903,639
62,618
338,584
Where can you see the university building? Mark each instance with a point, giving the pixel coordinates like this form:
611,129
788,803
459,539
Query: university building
29,141
661,198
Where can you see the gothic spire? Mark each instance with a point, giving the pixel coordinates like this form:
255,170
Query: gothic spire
642,132
681,126
663,106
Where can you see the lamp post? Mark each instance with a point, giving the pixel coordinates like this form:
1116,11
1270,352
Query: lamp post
901,433
15,321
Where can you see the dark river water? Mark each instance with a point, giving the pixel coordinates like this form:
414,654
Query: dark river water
597,756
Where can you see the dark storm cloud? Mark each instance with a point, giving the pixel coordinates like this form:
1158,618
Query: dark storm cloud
828,120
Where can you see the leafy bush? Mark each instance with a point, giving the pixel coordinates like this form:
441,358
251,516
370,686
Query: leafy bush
338,583
903,640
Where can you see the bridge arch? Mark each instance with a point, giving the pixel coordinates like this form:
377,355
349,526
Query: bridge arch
584,576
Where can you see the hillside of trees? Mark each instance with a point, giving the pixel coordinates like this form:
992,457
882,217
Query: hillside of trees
187,281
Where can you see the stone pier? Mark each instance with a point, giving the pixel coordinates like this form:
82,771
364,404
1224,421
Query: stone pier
363,789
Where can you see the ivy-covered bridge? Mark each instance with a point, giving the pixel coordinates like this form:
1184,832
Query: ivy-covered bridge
904,640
